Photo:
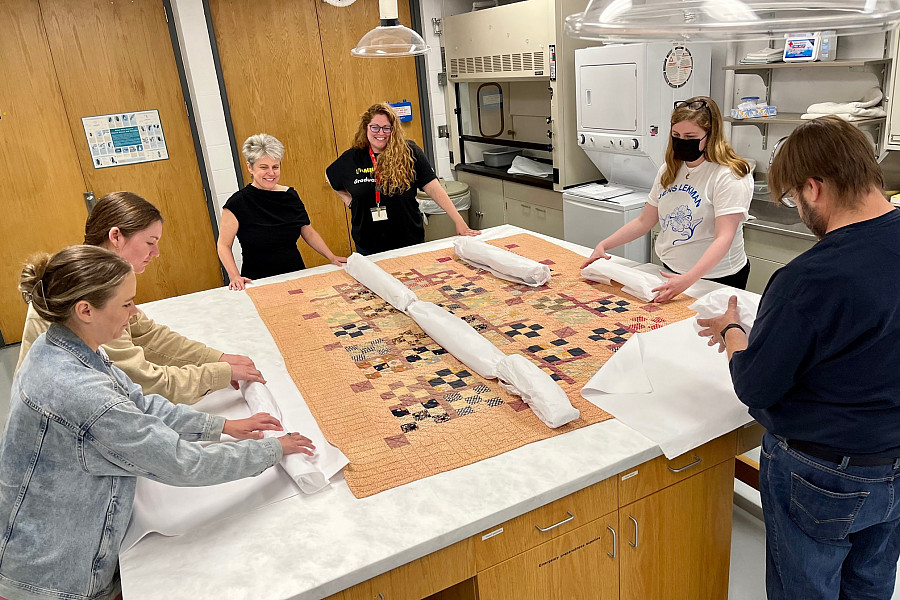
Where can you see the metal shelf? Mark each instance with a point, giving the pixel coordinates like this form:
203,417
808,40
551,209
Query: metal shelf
805,65
794,119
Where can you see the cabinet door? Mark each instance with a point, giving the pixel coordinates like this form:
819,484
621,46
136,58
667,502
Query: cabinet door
488,205
676,543
761,270
540,219
580,565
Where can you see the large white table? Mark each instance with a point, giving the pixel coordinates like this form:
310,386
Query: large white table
309,547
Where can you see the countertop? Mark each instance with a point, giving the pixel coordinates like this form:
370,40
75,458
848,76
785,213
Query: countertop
309,547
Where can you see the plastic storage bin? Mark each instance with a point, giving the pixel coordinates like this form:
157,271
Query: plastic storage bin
500,157
438,224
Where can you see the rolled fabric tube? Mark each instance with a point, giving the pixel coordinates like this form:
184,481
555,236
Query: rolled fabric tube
309,478
502,263
520,376
458,338
715,303
634,282
380,281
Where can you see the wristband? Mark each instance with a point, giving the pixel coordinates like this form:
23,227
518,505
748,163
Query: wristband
731,326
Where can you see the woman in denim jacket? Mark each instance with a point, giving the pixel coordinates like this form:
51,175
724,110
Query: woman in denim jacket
80,431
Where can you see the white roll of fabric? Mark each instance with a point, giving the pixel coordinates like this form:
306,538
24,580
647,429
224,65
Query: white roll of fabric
502,263
458,338
306,475
634,282
521,377
380,281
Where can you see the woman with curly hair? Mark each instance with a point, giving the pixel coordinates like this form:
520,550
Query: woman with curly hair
378,178
700,200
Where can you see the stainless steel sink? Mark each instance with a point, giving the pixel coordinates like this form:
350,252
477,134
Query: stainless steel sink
766,210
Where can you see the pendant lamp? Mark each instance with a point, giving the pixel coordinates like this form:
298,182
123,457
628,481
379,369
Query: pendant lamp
390,39
727,20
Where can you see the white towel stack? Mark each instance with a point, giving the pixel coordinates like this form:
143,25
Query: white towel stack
867,107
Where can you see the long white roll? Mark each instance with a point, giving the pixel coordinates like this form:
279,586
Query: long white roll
634,282
458,338
307,476
380,281
549,402
502,263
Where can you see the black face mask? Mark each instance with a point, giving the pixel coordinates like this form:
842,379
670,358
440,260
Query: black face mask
687,150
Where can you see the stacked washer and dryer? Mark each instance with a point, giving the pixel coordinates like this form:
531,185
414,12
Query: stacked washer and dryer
626,94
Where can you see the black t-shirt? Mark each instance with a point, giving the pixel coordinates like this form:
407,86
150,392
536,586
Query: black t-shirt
352,171
269,225
823,356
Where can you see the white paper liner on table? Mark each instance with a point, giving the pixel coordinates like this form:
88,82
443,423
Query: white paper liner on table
548,401
670,386
376,279
171,510
634,282
300,467
502,263
715,303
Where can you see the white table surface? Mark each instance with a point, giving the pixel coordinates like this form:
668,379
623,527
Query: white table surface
309,547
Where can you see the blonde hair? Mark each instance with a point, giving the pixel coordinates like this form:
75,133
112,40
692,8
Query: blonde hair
55,284
396,167
831,150
125,210
717,150
262,144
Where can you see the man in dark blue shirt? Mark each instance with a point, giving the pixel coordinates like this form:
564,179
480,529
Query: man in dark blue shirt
821,372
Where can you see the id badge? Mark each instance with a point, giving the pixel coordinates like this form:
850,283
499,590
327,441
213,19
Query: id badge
379,213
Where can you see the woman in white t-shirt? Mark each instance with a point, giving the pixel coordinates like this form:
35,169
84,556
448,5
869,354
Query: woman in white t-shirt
700,199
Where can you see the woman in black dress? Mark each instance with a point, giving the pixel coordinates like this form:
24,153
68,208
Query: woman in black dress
378,178
267,219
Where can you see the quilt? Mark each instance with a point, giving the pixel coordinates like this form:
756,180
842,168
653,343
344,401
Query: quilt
398,405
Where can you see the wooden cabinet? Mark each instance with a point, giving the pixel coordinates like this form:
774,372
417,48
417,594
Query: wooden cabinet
660,530
676,543
581,564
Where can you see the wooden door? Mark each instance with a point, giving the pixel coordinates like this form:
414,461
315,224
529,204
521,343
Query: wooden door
113,57
43,207
275,81
676,543
574,566
355,84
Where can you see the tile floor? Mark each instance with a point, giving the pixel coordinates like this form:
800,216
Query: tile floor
747,580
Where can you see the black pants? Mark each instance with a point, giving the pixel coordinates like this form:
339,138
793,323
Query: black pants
737,280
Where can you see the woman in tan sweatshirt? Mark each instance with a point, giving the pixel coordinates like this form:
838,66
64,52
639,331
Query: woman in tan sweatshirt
160,360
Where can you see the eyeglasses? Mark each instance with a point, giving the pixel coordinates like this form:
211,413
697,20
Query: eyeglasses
695,105
787,197
382,128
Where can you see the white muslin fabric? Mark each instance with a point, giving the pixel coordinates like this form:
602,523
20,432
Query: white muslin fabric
872,98
300,467
715,303
379,281
634,282
520,376
502,263
670,386
458,338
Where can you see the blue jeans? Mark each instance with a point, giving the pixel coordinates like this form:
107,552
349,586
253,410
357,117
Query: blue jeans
832,532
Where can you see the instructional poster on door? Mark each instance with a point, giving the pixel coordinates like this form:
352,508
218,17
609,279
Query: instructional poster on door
125,138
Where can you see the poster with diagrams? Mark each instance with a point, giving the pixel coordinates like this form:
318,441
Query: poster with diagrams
125,138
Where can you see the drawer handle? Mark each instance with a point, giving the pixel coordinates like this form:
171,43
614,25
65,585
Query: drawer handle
697,461
615,542
634,544
554,526
380,596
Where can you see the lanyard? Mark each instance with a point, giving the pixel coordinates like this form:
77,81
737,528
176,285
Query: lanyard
377,183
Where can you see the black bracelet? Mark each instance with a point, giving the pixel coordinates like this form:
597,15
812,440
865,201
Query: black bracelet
731,326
